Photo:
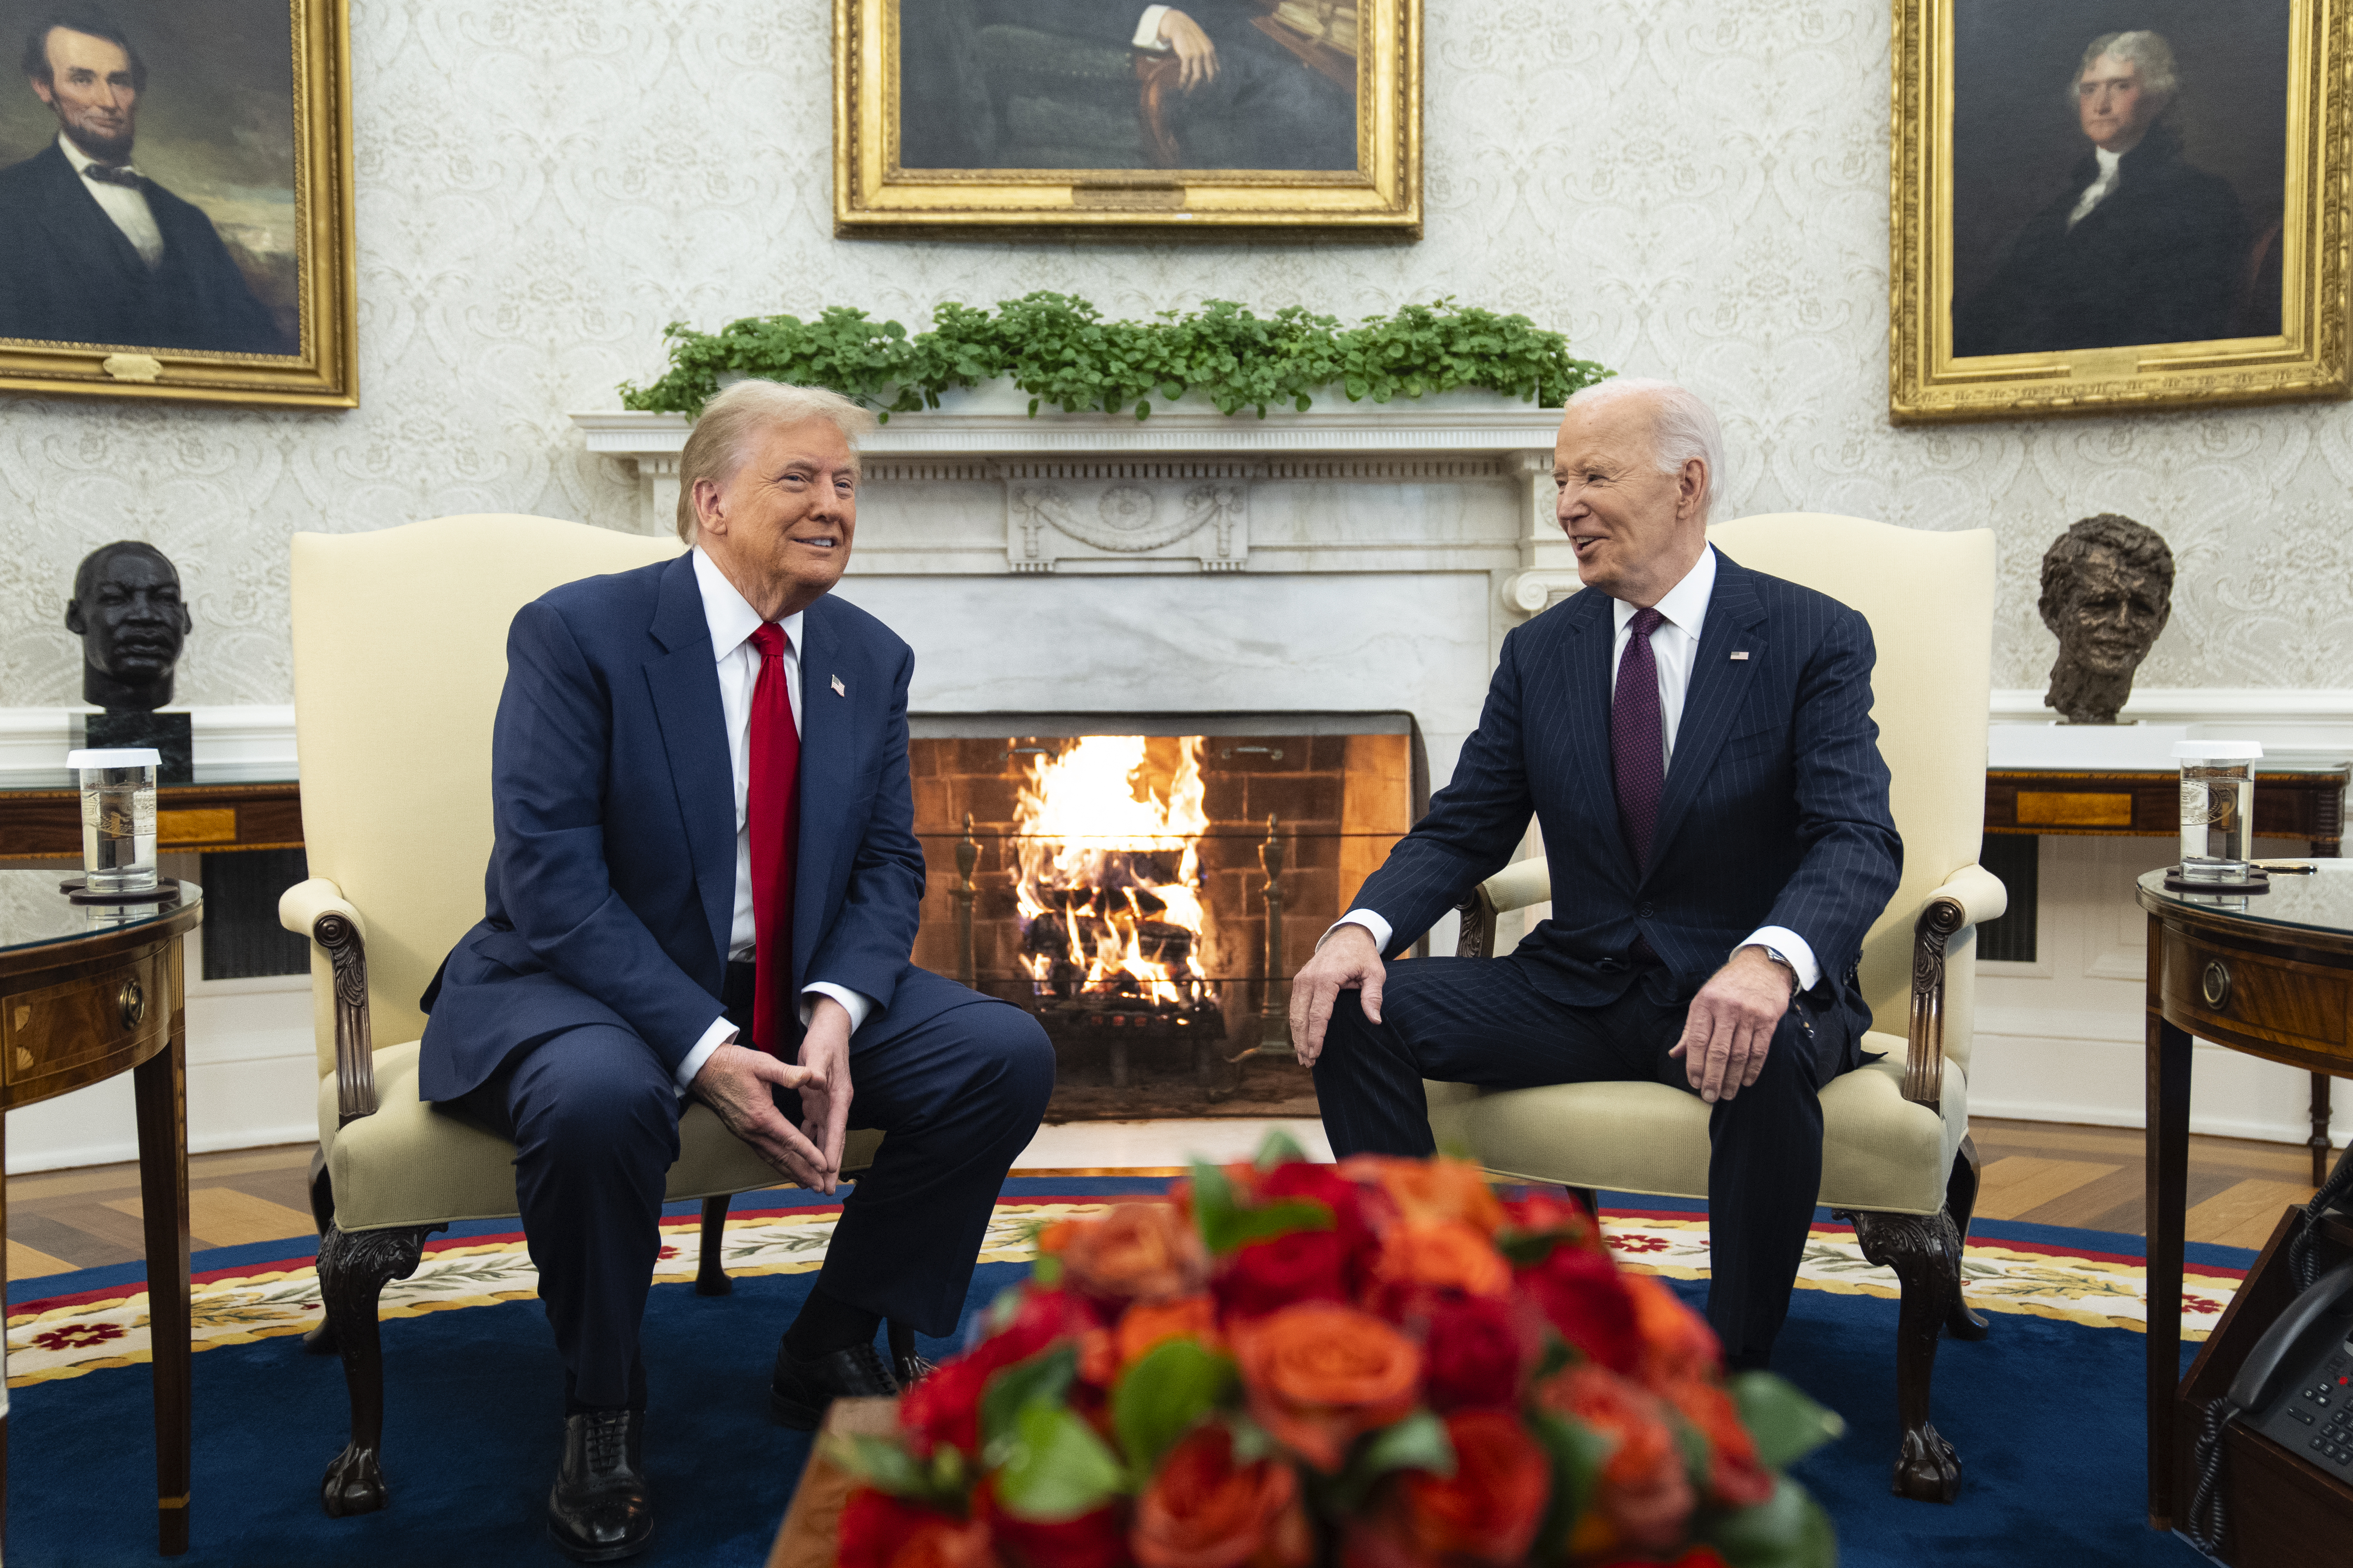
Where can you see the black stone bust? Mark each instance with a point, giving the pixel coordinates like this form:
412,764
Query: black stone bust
126,608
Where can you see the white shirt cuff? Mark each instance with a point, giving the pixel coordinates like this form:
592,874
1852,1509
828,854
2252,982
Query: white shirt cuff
721,1033
857,1004
1366,919
1792,946
1147,31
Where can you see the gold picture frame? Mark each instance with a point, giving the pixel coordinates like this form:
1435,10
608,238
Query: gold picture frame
984,158
2007,280
261,202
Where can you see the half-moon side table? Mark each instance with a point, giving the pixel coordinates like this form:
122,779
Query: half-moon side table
87,991
2270,974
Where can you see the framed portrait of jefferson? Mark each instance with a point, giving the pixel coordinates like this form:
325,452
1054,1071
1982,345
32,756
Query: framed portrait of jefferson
175,214
952,116
2104,205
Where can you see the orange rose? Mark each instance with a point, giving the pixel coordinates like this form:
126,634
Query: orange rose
1488,1510
1441,1255
1318,1374
1645,1496
1677,1344
1202,1511
1148,1323
1435,1189
1138,1252
1736,1477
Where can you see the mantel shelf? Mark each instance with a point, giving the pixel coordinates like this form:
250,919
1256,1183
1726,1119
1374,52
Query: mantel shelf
1435,427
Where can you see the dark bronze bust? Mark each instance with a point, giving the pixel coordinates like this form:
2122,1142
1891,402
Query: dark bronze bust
2108,592
126,609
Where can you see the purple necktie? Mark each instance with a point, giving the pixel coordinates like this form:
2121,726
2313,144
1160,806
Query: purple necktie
1637,739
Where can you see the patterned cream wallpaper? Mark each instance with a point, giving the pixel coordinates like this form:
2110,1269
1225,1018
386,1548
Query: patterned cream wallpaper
1690,188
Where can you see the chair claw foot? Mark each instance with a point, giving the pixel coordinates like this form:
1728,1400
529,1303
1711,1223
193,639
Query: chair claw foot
714,1284
354,1484
1963,1323
1926,1469
320,1340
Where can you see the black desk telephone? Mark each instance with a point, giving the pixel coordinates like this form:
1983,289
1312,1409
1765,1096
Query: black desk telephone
2297,1387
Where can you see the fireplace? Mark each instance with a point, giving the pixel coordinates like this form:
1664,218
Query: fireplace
1111,873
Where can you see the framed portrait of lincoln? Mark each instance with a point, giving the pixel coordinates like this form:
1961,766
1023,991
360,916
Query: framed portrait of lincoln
2109,205
175,216
956,116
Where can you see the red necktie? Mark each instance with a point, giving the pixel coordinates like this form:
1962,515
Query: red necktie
773,812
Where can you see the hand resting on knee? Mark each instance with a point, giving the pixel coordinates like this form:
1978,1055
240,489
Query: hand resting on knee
1730,1025
740,1084
1347,961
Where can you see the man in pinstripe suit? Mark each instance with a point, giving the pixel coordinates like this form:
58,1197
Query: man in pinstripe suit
1696,741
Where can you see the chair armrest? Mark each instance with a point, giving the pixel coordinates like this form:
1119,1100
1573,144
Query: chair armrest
1970,896
316,909
1515,887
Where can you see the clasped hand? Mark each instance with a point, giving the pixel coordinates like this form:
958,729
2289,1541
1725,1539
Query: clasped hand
1730,1025
740,1085
1197,55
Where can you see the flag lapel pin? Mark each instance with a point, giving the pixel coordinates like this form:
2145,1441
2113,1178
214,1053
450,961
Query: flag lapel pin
1741,654
842,691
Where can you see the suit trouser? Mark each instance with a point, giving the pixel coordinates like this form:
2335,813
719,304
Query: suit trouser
1460,1020
592,1114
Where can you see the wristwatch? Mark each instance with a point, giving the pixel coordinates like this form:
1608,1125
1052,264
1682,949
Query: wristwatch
1778,957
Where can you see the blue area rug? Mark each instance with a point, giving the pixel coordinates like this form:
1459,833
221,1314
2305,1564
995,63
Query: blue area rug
2046,1414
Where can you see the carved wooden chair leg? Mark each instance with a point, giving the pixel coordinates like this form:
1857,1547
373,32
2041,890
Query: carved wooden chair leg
1961,1201
320,1341
711,1274
353,1272
1925,1250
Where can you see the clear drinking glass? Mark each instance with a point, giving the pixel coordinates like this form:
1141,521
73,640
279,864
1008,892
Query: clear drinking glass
2218,809
118,817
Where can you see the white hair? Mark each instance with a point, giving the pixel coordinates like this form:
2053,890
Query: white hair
2148,53
1681,427
722,434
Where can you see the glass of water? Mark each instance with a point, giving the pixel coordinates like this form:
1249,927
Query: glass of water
118,817
2218,809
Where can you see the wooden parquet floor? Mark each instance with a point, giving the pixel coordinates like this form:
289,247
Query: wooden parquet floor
2043,1172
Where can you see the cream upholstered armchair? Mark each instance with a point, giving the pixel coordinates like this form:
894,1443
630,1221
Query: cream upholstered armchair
399,657
1896,1155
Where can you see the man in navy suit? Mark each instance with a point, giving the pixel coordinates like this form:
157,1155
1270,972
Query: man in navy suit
1696,741
91,250
705,882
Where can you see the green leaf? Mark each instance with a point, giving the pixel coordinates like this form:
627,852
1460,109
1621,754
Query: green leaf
1055,1467
1163,1395
1579,1452
1225,1224
882,1463
1278,1148
1786,1424
1417,1443
1043,1378
1788,1529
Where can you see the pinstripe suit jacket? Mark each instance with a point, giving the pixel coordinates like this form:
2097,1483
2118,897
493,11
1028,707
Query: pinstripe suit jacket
1774,811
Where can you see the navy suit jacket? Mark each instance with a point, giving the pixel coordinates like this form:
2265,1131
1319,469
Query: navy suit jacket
611,891
1774,811
68,274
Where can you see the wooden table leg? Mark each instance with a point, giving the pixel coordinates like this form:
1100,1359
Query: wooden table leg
2167,1141
2318,1142
160,1089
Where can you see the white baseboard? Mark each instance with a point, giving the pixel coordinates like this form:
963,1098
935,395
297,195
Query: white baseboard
2100,1083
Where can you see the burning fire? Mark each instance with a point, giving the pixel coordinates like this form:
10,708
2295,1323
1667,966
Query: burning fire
1111,873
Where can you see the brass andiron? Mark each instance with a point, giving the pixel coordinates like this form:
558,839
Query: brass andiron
967,854
1273,1016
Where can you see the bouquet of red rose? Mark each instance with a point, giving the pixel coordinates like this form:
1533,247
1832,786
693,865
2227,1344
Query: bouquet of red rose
1379,1364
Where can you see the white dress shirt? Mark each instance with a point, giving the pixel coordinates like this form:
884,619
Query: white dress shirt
125,205
1673,644
1147,31
733,621
2100,189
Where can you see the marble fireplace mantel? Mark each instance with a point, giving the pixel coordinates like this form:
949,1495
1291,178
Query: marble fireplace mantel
1456,483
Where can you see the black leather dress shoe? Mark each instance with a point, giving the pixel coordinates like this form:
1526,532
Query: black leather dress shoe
599,1510
803,1388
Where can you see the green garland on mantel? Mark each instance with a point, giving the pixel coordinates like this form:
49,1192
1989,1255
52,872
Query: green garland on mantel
1060,350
